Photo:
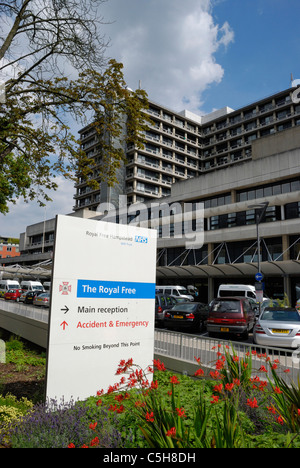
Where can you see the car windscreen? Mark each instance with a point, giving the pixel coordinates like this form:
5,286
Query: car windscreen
225,306
37,288
281,315
231,292
185,307
183,292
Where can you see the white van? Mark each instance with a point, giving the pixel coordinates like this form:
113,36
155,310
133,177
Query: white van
31,286
240,290
177,291
47,285
5,285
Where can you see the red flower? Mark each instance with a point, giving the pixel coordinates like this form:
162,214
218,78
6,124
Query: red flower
277,390
199,373
154,385
215,375
171,432
229,387
280,420
219,364
150,416
252,403
218,388
214,400
93,426
263,369
271,409
71,445
159,365
174,380
181,412
95,442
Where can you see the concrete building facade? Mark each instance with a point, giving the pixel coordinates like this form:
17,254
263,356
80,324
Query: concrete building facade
230,161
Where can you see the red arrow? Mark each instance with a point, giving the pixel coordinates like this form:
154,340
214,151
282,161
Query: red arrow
64,324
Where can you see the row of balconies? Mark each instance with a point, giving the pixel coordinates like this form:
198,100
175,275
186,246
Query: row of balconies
247,115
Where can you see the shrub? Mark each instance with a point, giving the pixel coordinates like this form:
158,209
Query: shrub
11,413
54,425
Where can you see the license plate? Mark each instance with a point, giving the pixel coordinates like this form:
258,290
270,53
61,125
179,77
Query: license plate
283,332
225,329
178,316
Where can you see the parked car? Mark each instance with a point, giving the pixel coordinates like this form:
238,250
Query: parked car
162,303
22,297
30,295
42,300
233,315
13,295
192,315
278,327
269,303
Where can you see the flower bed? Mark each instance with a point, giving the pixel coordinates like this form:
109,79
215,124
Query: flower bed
229,408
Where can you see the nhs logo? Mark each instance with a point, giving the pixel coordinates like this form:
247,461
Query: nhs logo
141,239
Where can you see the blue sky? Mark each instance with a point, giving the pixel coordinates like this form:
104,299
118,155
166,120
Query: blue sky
198,54
265,51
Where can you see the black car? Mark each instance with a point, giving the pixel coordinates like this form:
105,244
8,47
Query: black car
191,315
163,302
30,295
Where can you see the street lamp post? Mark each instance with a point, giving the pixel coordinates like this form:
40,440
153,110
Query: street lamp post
260,210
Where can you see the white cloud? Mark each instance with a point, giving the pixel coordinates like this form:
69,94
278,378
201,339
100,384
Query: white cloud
169,45
24,214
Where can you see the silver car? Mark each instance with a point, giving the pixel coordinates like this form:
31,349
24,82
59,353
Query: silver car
278,327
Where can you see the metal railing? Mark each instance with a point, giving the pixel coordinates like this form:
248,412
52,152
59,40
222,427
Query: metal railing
186,348
40,314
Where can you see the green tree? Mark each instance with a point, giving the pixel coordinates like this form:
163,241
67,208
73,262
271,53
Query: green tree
41,106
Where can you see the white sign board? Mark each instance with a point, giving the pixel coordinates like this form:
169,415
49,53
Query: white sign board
102,305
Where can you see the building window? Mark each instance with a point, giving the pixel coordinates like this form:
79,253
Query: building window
292,210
